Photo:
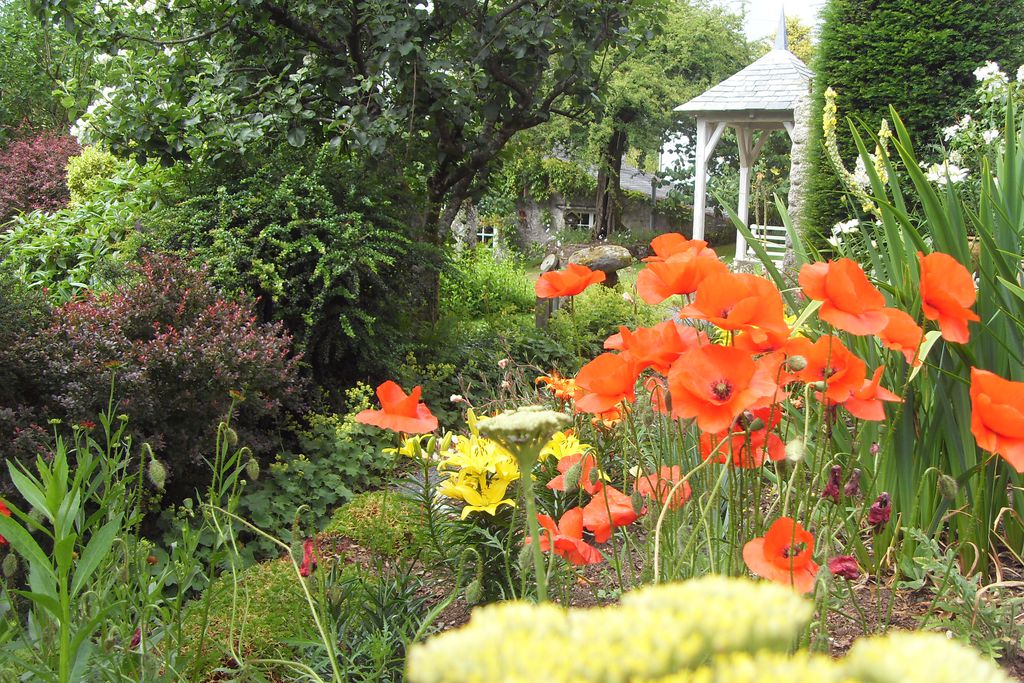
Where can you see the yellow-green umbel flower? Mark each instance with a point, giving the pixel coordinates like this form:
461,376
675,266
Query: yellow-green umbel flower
765,667
903,657
524,432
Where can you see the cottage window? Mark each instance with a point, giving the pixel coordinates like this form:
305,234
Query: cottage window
485,233
579,219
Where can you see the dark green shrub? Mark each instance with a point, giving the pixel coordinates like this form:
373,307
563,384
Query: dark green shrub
319,239
916,55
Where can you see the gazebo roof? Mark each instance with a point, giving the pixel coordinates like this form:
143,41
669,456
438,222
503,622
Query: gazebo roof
772,84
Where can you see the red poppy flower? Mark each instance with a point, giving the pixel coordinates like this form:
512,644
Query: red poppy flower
997,416
715,384
608,419
680,273
655,347
947,292
740,302
659,485
849,301
747,450
608,508
606,381
308,558
6,513
569,282
880,512
672,243
829,361
866,402
399,413
783,555
563,388
902,334
567,538
587,464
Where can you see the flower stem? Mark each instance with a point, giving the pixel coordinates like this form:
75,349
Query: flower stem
534,529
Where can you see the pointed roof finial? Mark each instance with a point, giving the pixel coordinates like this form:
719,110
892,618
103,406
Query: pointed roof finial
781,40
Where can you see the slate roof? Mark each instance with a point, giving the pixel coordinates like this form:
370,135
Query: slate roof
636,180
774,83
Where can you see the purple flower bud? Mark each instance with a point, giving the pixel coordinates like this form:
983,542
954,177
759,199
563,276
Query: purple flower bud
875,448
878,515
136,639
832,487
844,566
852,488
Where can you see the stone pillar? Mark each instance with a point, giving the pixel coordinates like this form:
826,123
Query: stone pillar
799,167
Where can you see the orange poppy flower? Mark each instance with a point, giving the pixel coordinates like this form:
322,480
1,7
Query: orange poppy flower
829,361
902,334
997,416
563,388
715,384
567,538
605,381
659,485
947,292
866,402
587,465
609,419
783,555
656,347
399,413
748,451
849,301
672,243
569,282
739,301
608,508
680,273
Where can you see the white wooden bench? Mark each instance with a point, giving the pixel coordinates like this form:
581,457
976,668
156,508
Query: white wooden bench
771,237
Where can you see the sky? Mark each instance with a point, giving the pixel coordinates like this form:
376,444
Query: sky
763,15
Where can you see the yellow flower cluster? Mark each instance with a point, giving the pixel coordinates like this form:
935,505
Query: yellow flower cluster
855,184
710,630
477,471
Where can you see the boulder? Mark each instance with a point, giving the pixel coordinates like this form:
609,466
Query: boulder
607,257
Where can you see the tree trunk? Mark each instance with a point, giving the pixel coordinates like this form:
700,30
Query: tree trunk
609,204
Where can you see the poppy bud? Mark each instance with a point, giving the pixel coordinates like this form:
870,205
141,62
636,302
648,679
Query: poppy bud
231,436
572,477
818,386
832,487
151,560
852,488
525,559
755,425
252,468
157,473
10,566
637,501
881,509
948,487
474,592
796,363
844,566
593,477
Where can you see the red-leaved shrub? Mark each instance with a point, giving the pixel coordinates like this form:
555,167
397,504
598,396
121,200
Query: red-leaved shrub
177,350
33,172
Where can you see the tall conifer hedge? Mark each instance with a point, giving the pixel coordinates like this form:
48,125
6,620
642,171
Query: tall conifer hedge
917,55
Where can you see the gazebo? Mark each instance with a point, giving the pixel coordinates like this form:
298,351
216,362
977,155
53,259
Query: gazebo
755,101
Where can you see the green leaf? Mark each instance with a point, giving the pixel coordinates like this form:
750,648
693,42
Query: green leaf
97,549
47,602
62,551
297,136
26,546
